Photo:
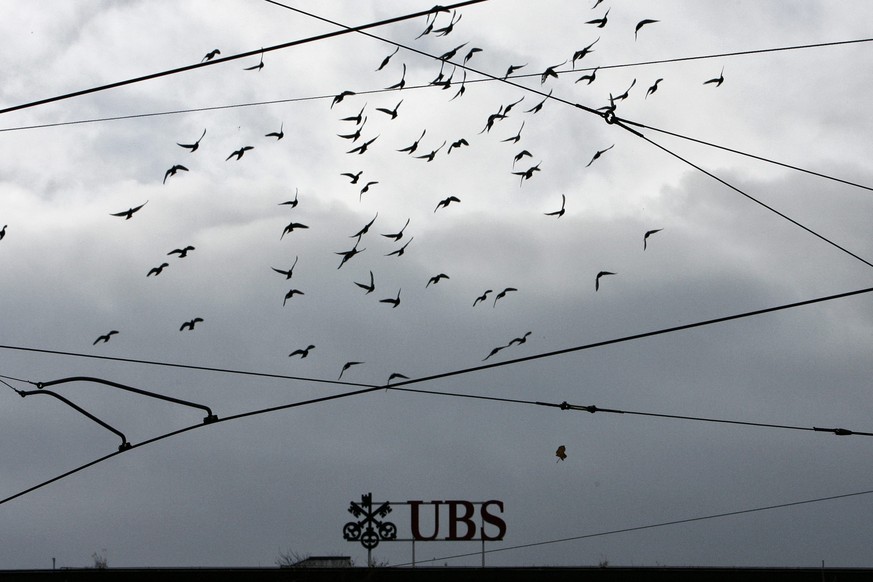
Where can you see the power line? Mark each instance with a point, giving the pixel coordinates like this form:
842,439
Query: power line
652,526
229,58
461,371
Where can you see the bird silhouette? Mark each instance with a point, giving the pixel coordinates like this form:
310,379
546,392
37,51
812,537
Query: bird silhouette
172,171
589,77
277,134
599,153
625,95
492,118
399,252
239,153
512,69
430,156
436,279
648,234
157,270
582,53
395,375
462,88
340,97
550,72
210,55
502,294
641,24
386,59
288,273
257,67
192,146
363,147
366,227
411,148
520,155
519,340
391,112
561,453
356,118
353,177
105,338
445,202
718,80
346,366
494,352
536,108
558,213
355,134
653,88
451,53
190,324
482,297
527,174
291,228
600,22
3,232
393,301
291,203
470,54
349,254
302,352
451,26
516,137
181,252
508,108
457,144
290,294
597,279
401,83
366,189
127,214
368,288
397,235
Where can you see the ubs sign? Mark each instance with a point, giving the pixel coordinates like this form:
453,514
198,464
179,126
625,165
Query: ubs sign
443,520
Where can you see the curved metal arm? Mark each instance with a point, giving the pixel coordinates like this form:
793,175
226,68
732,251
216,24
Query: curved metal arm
209,418
124,444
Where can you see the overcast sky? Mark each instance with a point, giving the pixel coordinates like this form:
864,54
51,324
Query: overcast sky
238,493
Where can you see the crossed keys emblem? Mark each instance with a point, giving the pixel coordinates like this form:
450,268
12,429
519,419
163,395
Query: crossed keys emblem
369,529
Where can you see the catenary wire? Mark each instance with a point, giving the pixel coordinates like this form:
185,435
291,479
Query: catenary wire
652,526
468,370
228,58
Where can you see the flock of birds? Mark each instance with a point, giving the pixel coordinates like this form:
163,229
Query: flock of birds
440,22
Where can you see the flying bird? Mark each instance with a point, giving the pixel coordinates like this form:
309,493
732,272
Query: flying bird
290,272
157,270
366,228
519,340
239,153
648,234
512,69
346,366
561,453
597,279
181,252
558,213
105,338
515,138
653,88
290,294
192,146
363,147
277,134
303,352
582,53
508,108
340,97
450,54
536,108
445,202
462,89
448,29
598,154
482,297
397,235
346,255
356,118
356,134
127,214
388,58
394,301
257,67
353,177
470,54
718,80
589,77
625,95
527,174
502,294
172,171
399,252
391,112
492,118
641,24
401,83
3,231
457,144
190,324
411,148
520,155
395,375
210,55
366,188
550,72
493,352
600,22
291,227
291,203
368,288
436,279
429,157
